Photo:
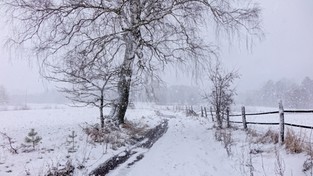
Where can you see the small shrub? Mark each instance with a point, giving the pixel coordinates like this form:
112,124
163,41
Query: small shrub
96,133
71,141
32,138
294,143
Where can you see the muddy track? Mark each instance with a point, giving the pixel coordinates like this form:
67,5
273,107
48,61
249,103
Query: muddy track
150,138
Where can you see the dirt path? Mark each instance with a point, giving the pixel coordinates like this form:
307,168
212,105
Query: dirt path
134,154
188,148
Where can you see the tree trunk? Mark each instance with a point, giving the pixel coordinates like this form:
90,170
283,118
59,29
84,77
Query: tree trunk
132,45
101,112
124,83
123,90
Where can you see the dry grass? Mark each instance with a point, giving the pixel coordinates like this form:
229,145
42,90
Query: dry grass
309,149
294,143
128,133
225,136
135,128
269,137
252,133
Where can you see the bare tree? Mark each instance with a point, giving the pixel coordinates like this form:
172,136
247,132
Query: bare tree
222,94
139,36
87,84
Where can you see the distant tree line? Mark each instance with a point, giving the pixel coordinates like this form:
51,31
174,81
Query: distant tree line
294,95
4,98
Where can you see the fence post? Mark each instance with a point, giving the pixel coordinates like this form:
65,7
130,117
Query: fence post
201,111
227,118
205,113
211,110
281,123
243,114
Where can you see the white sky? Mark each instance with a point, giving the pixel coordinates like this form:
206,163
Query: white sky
286,51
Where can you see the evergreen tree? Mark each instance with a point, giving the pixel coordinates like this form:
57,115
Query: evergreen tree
71,141
32,138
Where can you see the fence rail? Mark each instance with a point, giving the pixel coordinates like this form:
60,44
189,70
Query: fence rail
255,114
300,126
281,122
298,111
272,112
281,114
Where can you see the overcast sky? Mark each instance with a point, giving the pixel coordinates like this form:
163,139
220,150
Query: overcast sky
285,52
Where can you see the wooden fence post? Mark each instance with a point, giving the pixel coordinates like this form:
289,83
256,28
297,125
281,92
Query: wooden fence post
205,113
243,114
281,123
201,111
211,110
227,118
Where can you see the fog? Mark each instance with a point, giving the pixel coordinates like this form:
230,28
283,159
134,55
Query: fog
286,51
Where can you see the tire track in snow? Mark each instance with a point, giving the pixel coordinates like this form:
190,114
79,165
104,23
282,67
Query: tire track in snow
188,148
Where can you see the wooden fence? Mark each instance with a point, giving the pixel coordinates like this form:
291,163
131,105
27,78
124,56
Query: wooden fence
281,114
281,122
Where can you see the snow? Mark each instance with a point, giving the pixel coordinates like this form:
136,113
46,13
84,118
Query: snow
188,148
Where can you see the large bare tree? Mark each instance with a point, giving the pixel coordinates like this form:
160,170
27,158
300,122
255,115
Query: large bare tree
139,36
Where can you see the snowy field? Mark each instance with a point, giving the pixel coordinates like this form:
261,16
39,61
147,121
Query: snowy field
188,148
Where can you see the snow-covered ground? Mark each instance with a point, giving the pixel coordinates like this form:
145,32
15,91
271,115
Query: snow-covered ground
54,125
188,148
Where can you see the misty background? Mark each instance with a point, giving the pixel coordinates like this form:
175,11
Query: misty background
277,67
